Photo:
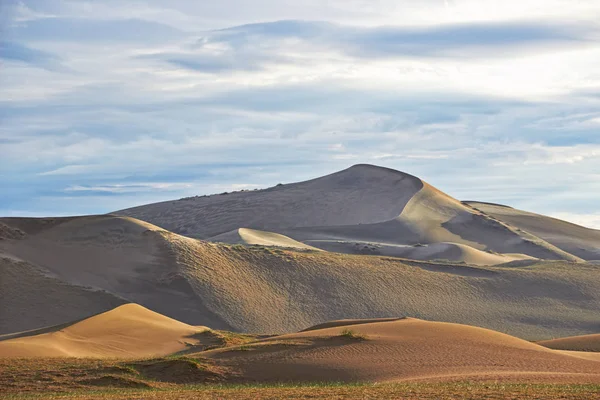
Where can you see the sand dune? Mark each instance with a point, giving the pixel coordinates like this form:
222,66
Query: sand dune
574,343
256,237
31,298
261,290
400,350
129,331
126,257
578,240
376,350
364,204
268,292
363,194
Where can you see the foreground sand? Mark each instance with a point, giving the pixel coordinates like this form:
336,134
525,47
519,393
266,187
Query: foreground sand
389,350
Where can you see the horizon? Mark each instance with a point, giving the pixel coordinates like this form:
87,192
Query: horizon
111,105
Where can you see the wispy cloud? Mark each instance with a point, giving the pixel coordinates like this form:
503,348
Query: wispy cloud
121,103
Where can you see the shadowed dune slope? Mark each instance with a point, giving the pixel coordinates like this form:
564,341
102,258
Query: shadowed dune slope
407,349
256,237
123,256
262,290
363,203
574,343
129,331
575,239
31,298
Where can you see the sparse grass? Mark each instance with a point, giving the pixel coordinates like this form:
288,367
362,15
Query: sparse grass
175,378
350,334
333,390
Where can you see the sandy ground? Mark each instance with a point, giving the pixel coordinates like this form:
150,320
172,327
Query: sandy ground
575,343
129,331
344,351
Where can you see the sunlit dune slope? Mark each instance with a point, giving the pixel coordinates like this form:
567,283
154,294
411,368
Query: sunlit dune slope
263,238
400,350
130,331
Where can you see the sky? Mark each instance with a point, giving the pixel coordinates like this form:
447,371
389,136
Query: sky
109,104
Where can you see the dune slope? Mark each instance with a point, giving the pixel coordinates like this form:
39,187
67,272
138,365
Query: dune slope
400,350
128,331
359,195
31,298
574,343
123,256
575,239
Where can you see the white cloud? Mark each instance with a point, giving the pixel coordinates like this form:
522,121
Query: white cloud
512,118
587,220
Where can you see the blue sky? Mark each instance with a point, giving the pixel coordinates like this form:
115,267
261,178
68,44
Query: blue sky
107,105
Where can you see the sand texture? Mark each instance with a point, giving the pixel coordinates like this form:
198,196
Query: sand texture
98,262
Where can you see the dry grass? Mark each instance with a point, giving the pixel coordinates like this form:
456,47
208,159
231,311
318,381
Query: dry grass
415,391
196,378
350,334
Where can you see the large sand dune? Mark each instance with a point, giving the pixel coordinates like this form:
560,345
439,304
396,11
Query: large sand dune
276,290
401,350
362,204
129,331
361,195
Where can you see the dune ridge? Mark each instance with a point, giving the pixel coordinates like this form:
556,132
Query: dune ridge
128,331
361,204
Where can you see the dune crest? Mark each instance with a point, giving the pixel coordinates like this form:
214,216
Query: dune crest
128,331
263,238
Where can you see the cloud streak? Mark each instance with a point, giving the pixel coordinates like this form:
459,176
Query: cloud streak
108,105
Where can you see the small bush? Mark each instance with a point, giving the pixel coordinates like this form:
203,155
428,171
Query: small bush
349,333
